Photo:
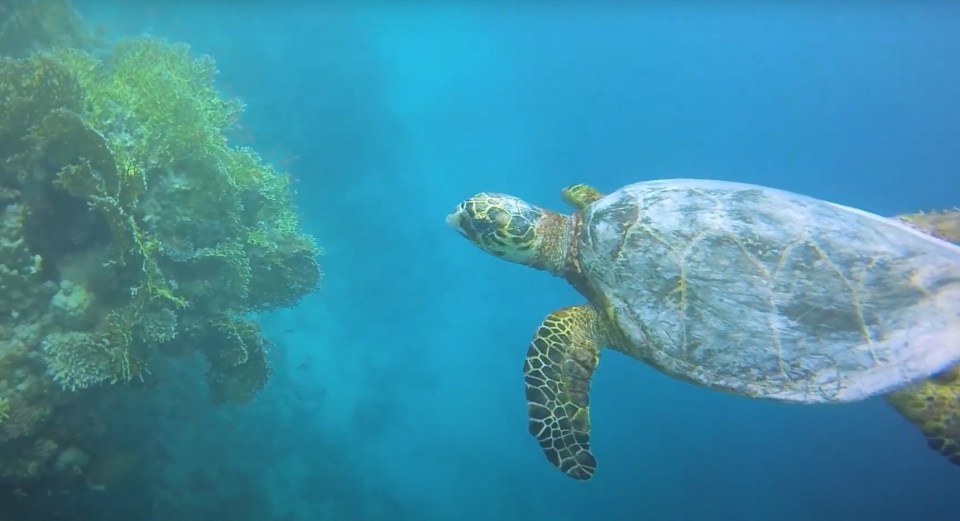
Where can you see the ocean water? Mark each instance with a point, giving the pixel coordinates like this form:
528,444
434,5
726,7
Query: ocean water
397,390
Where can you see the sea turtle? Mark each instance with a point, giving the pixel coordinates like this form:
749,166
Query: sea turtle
737,287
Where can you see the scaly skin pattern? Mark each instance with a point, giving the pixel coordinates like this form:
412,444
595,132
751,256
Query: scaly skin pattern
934,404
514,230
934,407
564,353
560,363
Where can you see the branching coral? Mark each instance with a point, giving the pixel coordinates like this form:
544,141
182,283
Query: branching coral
78,360
130,228
237,354
156,103
233,217
31,89
277,249
158,326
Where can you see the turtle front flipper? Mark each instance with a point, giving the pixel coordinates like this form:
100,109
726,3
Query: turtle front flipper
560,362
934,407
581,196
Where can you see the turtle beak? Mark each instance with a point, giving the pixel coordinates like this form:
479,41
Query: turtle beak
455,218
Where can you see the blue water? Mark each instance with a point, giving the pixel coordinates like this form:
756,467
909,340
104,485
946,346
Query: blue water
397,391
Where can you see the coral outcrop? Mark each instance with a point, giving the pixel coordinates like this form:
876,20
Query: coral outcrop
130,229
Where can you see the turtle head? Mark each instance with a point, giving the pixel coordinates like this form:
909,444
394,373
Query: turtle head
513,230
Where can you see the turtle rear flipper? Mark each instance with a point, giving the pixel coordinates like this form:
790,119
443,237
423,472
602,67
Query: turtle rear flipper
560,362
932,406
943,225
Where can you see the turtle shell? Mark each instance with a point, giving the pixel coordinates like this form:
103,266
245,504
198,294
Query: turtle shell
770,294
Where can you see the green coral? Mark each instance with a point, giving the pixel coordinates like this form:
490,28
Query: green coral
155,101
158,326
237,353
78,360
130,229
282,258
30,90
233,234
162,122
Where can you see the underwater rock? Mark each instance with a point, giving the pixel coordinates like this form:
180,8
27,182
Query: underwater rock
72,305
71,461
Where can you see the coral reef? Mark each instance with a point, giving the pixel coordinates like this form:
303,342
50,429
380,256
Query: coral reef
129,229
